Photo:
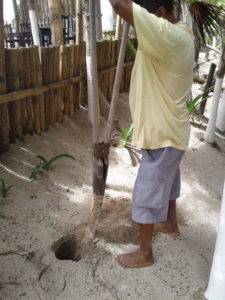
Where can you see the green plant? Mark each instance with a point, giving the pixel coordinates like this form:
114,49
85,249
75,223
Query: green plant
131,49
196,101
126,134
44,164
4,188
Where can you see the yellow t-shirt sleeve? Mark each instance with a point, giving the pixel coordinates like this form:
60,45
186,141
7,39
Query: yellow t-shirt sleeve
156,36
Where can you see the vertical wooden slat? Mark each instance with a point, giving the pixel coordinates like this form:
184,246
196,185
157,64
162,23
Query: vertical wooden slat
35,100
4,119
45,76
27,84
39,83
13,84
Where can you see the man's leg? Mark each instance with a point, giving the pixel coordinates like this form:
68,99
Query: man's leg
143,257
170,226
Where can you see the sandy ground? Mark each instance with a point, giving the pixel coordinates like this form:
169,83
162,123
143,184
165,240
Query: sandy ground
38,219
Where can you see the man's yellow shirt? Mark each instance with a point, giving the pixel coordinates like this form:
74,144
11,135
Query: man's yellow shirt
161,78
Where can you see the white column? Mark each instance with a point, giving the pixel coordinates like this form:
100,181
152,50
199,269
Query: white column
220,122
34,27
209,134
216,286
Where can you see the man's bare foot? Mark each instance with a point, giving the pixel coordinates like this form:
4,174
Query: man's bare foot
137,259
168,227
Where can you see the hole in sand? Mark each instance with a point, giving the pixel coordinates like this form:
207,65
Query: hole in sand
74,246
66,249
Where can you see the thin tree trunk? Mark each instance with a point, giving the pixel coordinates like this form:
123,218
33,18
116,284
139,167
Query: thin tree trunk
98,168
79,27
99,21
210,131
55,11
34,23
17,16
116,88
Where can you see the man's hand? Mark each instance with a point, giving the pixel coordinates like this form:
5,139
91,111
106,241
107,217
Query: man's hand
124,9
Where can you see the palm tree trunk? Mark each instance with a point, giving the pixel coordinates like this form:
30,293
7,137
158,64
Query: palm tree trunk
98,168
17,16
209,134
34,23
55,11
99,20
79,27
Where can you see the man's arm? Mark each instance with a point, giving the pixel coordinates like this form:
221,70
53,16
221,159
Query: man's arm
124,9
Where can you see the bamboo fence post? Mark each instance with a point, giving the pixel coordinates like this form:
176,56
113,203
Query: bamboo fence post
27,84
35,100
4,121
76,72
39,84
70,75
57,93
52,100
22,86
13,84
45,77
63,76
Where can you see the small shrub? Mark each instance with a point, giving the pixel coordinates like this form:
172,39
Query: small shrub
44,164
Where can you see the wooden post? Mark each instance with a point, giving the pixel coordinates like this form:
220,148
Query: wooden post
55,11
4,119
207,87
79,27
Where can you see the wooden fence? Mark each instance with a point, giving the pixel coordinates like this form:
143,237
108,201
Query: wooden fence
44,83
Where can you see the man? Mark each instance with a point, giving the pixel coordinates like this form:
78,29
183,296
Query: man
161,78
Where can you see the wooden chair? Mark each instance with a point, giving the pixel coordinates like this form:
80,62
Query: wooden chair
27,34
9,38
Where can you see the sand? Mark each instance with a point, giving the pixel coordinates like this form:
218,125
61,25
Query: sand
38,219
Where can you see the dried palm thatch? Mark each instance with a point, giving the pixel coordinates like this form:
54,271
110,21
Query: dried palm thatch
207,18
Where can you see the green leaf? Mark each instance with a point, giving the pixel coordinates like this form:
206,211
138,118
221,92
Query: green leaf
36,169
58,157
126,134
44,160
195,102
